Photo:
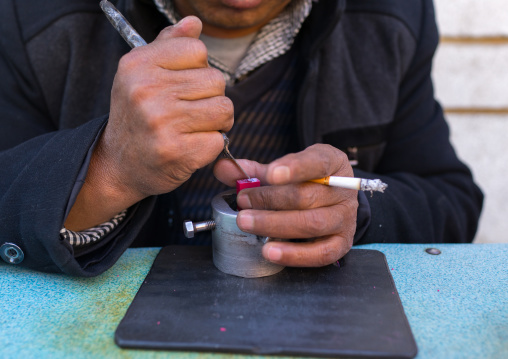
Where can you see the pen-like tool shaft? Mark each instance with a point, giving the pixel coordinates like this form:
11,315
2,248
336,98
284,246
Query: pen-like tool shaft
228,154
121,25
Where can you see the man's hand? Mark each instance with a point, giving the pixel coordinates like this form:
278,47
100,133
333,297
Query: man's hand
167,106
292,208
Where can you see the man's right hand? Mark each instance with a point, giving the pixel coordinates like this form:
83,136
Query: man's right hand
167,106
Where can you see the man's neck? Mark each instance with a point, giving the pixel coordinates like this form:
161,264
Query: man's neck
228,51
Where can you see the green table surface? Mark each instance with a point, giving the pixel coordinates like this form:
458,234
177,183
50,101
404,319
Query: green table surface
456,304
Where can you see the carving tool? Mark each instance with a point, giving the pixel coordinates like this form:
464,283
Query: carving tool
132,38
359,184
121,25
228,154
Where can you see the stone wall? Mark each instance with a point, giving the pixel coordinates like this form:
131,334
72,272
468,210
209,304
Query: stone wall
471,82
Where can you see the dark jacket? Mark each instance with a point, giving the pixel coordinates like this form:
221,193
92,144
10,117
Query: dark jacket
366,86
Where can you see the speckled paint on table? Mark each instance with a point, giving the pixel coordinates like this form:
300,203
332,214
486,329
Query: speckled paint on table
456,303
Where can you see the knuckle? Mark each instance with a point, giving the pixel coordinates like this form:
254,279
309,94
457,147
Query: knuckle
229,124
216,145
179,174
331,158
301,257
345,168
130,61
349,224
221,113
340,155
307,198
159,153
167,149
316,146
205,157
215,78
166,32
324,147
314,223
127,62
328,253
154,119
353,203
349,241
324,164
139,92
269,198
224,106
197,49
262,199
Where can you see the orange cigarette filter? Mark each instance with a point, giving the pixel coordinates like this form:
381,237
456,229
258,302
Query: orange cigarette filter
325,181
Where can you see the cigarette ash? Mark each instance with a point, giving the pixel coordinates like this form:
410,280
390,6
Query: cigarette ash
373,185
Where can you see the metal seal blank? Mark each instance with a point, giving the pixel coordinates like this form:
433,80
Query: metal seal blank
236,252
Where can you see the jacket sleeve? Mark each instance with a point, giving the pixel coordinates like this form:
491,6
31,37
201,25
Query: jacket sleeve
39,165
431,197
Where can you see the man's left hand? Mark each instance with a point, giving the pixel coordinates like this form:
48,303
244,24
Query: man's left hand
288,206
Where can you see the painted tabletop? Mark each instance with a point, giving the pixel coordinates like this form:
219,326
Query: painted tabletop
456,304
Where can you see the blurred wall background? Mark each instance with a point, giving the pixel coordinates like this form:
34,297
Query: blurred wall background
471,82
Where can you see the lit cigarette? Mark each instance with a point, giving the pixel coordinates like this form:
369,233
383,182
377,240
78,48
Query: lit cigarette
359,184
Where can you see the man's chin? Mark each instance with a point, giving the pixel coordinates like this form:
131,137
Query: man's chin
239,22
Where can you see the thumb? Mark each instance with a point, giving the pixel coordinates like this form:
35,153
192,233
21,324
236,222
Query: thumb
189,26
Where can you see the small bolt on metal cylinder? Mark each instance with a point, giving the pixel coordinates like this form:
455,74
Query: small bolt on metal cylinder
190,228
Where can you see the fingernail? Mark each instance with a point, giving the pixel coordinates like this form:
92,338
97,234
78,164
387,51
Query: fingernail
245,221
280,174
274,254
243,201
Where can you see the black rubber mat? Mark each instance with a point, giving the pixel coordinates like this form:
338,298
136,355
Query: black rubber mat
185,303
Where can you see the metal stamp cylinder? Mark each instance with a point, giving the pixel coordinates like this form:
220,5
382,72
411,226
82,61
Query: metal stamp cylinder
236,252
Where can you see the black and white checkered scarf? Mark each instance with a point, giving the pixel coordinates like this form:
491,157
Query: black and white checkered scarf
273,40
